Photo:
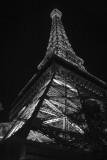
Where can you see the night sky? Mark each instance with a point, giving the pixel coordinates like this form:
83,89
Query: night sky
25,28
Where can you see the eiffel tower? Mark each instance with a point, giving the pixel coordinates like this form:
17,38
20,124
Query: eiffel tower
61,112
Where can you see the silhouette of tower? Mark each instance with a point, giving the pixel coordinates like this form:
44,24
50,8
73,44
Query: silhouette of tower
62,110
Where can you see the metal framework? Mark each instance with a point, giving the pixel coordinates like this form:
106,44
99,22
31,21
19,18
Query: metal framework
59,43
63,107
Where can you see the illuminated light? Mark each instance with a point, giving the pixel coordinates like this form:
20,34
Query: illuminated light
17,126
57,103
39,137
64,84
27,85
52,106
26,115
29,110
1,136
39,94
60,77
33,136
72,94
77,128
69,109
21,111
58,82
73,105
48,112
52,120
46,84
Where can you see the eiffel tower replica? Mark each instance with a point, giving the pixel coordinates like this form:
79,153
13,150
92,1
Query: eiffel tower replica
61,112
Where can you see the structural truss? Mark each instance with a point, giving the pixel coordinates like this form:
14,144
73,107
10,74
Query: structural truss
62,107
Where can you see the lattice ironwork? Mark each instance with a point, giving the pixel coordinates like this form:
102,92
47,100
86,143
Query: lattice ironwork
66,109
62,113
26,112
59,43
59,109
36,88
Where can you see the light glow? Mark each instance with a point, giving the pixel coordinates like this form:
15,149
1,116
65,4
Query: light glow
52,120
39,137
48,112
17,126
78,128
52,106
64,84
29,110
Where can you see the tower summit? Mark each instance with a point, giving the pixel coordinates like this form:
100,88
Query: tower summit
59,43
56,12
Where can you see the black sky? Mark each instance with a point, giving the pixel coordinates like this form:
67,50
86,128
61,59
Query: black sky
24,33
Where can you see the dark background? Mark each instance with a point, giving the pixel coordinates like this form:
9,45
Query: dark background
24,33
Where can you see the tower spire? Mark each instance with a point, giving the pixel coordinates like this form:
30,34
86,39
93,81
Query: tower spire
56,12
59,43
